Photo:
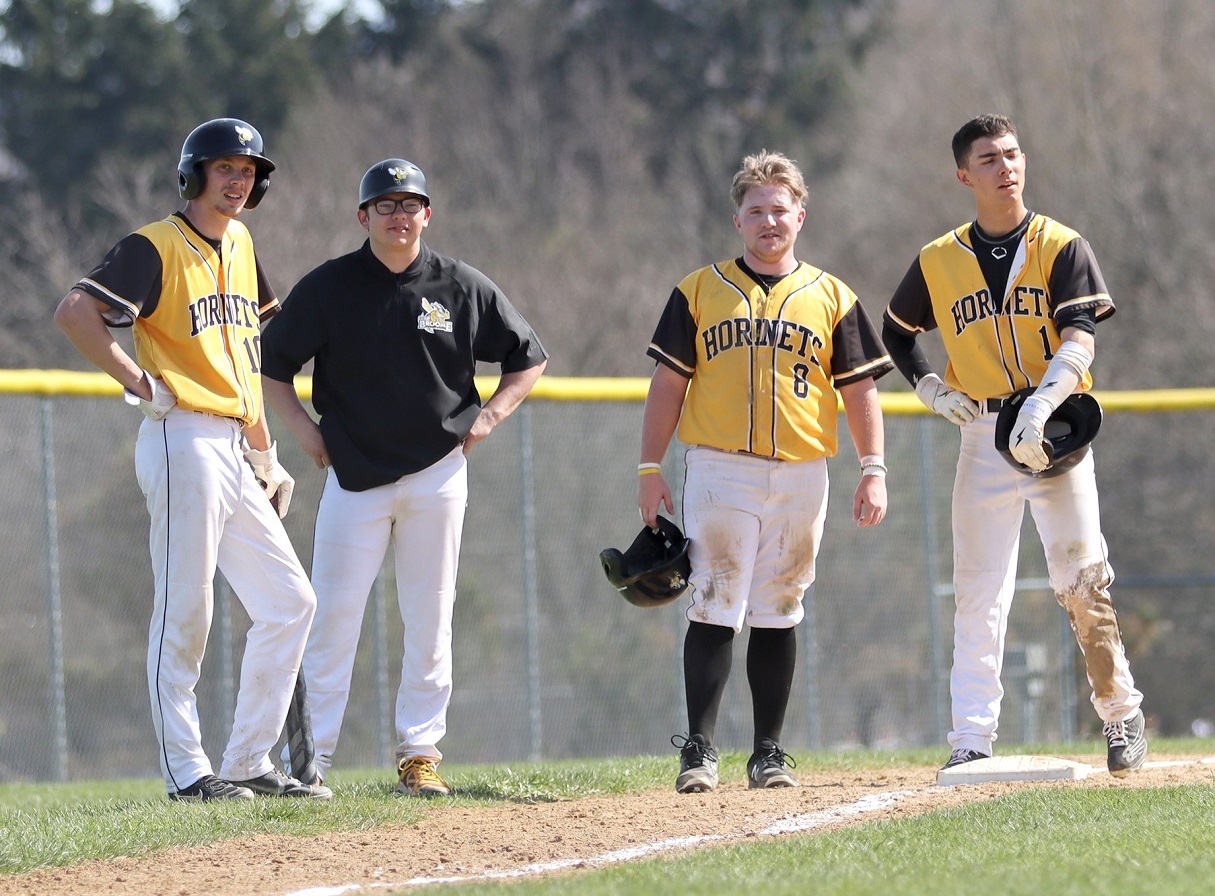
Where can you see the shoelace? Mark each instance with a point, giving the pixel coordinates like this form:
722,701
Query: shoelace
1115,733
212,784
280,777
694,752
776,756
424,772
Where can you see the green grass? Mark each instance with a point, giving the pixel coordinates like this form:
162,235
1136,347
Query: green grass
1039,842
1036,843
43,825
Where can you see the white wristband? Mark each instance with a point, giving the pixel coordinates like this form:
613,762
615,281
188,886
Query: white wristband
873,465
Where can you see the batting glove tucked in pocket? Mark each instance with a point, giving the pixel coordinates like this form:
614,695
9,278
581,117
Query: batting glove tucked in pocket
161,402
276,481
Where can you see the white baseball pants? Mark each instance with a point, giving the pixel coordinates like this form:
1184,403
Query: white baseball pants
989,499
755,524
208,510
422,515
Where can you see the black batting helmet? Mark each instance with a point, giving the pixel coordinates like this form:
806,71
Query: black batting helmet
217,139
654,570
392,176
1067,434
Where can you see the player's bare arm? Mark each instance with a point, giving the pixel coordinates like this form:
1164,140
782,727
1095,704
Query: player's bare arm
663,405
863,412
285,401
257,435
1084,338
512,389
80,316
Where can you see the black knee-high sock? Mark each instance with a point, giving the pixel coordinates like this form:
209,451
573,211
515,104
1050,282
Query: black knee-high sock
771,659
708,652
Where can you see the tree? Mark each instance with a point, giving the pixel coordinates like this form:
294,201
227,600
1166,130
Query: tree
74,81
256,58
588,144
77,84
406,25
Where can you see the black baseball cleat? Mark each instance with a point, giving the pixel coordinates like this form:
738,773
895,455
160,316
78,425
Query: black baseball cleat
697,764
961,757
769,767
314,778
1127,744
208,788
275,783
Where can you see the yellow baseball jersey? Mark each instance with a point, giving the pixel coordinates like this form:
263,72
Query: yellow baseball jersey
999,344
197,308
764,362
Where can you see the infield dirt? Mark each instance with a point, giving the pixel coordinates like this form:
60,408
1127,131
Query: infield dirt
462,841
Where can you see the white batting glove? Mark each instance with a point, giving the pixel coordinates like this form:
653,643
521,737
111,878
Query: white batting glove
954,406
1025,442
276,481
161,402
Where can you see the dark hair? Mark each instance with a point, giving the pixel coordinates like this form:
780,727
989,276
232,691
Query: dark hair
982,126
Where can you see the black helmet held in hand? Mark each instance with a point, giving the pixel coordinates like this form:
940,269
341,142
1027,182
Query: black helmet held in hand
1067,434
218,139
392,176
654,570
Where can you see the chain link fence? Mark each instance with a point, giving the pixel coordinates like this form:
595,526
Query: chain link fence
549,662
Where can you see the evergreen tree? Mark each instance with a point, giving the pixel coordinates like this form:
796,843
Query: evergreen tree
73,82
77,83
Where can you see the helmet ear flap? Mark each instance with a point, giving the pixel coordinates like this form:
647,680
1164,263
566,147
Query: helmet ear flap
189,181
612,562
260,186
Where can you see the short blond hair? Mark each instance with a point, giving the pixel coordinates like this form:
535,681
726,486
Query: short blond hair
763,168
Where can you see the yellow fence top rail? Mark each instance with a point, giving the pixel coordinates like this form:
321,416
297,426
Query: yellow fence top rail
576,388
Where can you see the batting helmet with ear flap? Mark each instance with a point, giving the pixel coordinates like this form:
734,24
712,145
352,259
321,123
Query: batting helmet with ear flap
217,139
392,176
654,570
1066,436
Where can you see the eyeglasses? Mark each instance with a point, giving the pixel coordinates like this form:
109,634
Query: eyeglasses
387,207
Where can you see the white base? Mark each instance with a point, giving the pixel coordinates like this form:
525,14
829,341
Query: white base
1013,768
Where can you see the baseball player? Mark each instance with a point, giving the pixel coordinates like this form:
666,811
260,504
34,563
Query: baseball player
749,355
396,331
191,287
1016,298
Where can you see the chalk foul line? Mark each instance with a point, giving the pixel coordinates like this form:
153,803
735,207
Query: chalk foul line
797,824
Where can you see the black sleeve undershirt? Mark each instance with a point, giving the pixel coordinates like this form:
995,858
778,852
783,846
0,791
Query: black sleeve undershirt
906,353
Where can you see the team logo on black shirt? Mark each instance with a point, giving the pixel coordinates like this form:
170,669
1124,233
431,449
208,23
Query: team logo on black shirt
434,317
